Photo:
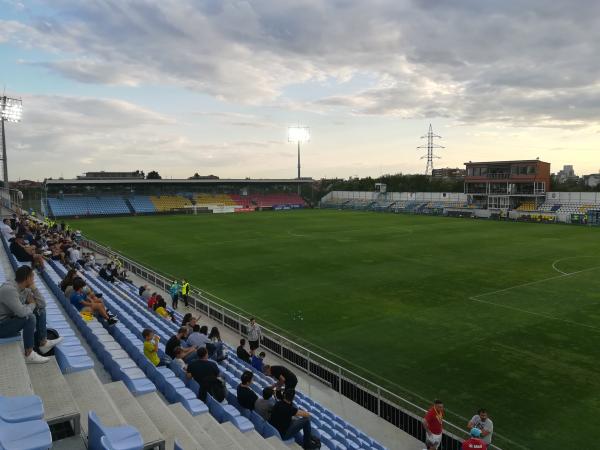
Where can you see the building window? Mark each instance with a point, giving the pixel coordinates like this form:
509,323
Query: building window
530,170
522,170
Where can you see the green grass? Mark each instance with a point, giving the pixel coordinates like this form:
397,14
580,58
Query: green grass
469,311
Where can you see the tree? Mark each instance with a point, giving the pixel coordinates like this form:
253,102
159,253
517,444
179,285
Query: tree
153,175
195,177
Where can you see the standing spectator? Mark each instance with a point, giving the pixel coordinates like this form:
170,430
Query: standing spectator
205,372
242,353
281,419
245,395
263,406
189,353
174,291
475,442
185,290
253,334
283,375
433,424
257,361
17,313
484,423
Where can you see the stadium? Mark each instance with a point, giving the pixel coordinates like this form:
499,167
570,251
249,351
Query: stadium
451,309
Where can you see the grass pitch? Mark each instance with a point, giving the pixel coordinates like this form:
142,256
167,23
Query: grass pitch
481,314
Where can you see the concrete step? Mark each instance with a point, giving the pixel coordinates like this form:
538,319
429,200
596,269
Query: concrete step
90,395
278,444
14,378
134,414
50,384
216,431
167,423
250,440
187,420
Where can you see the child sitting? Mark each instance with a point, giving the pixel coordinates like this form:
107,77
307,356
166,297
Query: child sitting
151,347
179,358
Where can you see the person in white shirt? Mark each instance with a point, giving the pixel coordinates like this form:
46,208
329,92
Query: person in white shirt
7,231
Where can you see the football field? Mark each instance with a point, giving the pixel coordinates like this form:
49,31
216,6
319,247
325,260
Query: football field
499,315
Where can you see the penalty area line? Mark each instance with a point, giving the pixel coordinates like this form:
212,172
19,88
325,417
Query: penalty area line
477,298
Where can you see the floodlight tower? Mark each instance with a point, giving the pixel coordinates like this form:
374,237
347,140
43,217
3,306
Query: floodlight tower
430,146
298,135
11,110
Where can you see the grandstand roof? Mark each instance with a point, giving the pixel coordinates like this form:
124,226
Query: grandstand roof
516,161
183,181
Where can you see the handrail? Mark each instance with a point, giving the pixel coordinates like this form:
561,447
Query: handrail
310,362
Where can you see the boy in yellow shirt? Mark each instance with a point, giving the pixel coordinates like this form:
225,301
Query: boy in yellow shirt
151,347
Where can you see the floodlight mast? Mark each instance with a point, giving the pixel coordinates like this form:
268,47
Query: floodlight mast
11,110
298,134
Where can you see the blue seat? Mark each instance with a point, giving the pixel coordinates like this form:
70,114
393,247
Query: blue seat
240,422
21,409
258,421
30,435
116,438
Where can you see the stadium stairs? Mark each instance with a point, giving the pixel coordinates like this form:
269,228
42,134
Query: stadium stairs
335,432
119,414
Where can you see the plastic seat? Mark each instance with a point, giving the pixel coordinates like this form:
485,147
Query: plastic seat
116,438
31,435
21,409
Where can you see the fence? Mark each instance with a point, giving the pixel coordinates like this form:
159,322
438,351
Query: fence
401,412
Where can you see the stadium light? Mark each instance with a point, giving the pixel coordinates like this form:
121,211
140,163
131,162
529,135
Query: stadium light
298,135
11,110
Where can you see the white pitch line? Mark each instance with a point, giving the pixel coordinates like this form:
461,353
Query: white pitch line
564,259
546,316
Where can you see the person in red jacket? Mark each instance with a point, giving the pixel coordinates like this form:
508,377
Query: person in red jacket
433,424
474,442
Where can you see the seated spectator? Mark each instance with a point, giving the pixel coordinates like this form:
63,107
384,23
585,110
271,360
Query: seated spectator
242,353
281,419
68,281
151,348
17,313
26,253
263,406
84,302
214,335
161,308
106,273
145,292
283,375
206,373
199,338
152,301
122,276
190,324
75,256
114,273
7,231
142,289
179,358
257,361
474,442
186,318
189,353
245,395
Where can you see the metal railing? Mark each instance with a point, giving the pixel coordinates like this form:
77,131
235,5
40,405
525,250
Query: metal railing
404,413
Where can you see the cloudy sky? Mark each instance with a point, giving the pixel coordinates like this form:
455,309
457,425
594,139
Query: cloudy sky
211,86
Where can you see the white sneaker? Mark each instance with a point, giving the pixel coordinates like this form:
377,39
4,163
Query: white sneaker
35,358
50,343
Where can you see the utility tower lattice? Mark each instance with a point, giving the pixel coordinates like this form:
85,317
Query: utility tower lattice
430,146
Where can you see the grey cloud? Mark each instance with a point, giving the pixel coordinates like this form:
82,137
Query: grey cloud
518,62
